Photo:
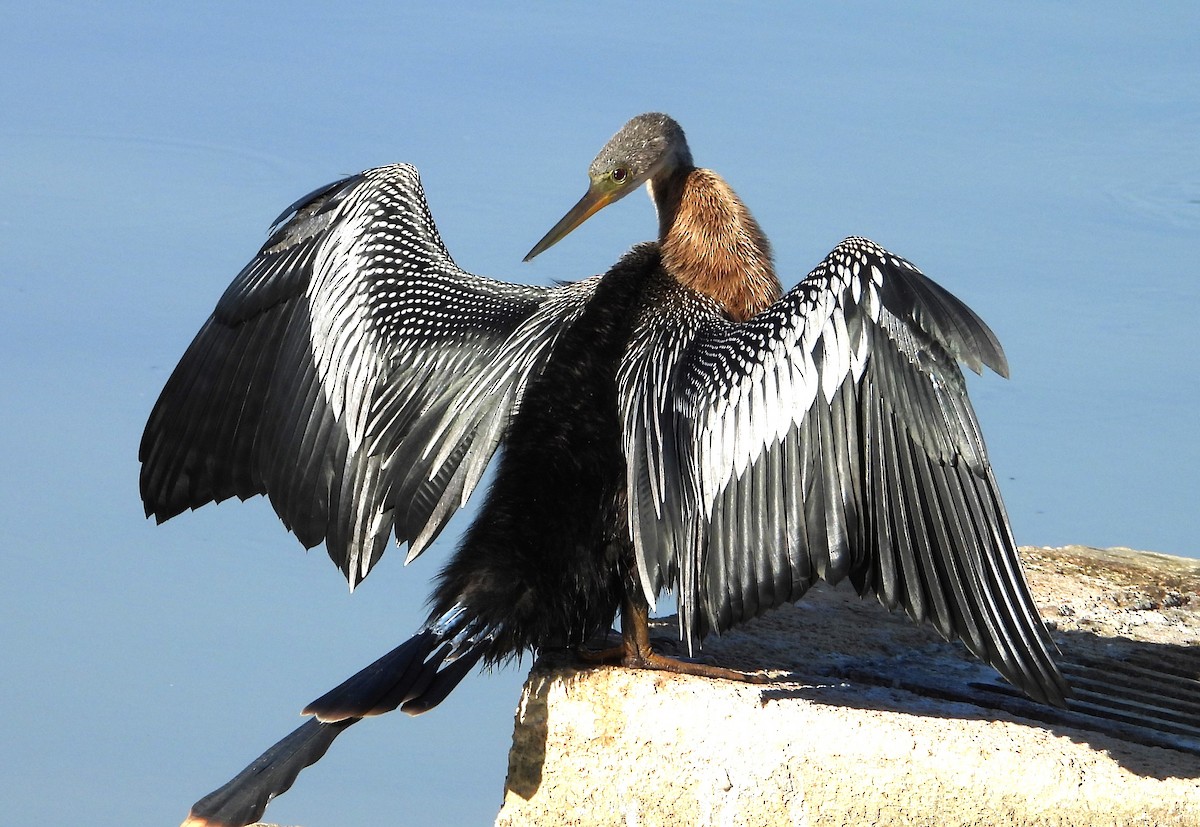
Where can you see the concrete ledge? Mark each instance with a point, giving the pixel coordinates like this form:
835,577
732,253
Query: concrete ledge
872,720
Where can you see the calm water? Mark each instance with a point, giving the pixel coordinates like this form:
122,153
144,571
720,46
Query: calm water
1041,163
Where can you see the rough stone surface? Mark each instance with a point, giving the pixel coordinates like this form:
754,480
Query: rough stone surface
859,724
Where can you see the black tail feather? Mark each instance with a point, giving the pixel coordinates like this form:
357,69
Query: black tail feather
443,683
372,690
415,681
417,674
244,798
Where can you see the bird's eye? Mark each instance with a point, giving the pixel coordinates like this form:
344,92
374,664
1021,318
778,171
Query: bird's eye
620,174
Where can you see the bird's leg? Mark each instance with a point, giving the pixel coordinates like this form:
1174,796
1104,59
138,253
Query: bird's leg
636,652
639,654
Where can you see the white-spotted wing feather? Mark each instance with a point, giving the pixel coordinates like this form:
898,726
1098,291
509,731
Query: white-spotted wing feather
829,436
352,373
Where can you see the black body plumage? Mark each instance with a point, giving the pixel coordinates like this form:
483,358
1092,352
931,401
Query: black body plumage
647,439
547,560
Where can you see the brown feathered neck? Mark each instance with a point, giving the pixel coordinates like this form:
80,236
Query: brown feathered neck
711,243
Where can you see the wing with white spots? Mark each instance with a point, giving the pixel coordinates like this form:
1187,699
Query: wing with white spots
353,374
829,436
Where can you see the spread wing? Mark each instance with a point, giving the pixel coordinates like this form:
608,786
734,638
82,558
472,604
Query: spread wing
353,374
830,436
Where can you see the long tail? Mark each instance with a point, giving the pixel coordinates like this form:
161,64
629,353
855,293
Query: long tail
416,676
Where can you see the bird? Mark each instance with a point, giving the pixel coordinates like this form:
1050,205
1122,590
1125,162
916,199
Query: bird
678,424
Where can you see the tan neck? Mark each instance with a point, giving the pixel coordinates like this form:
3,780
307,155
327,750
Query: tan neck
711,243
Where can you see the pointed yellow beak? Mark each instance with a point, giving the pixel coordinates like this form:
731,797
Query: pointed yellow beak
596,199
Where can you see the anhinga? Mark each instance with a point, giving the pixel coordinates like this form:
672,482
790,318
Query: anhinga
678,423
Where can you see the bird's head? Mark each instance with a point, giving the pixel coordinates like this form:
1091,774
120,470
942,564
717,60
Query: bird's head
649,146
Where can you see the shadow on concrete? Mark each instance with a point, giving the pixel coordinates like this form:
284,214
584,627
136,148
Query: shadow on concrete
833,647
